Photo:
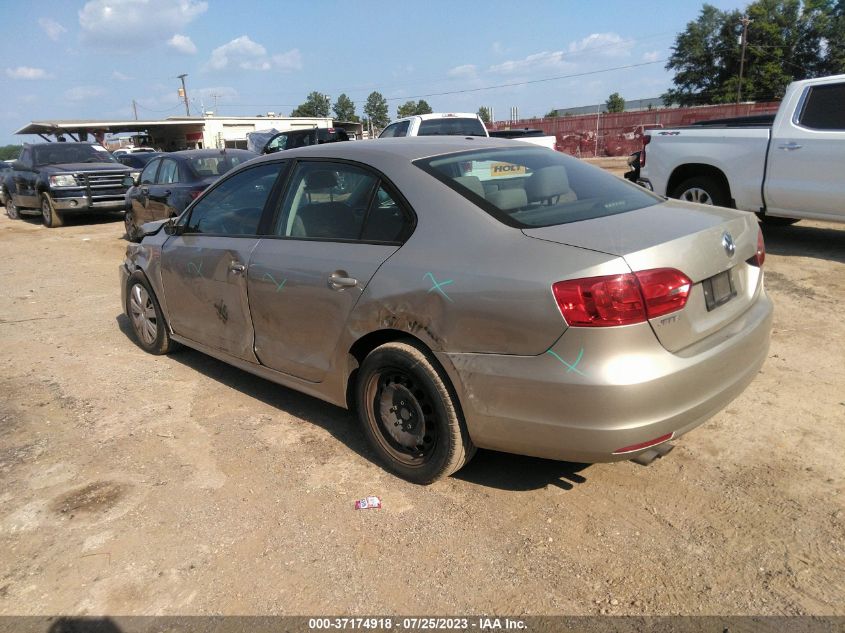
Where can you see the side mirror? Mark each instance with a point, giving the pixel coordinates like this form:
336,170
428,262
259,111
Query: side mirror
171,228
129,181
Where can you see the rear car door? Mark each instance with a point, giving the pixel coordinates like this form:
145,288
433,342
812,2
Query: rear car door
806,157
336,225
203,270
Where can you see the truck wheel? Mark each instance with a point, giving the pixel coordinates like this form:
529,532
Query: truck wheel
11,208
775,221
49,215
410,415
703,190
146,317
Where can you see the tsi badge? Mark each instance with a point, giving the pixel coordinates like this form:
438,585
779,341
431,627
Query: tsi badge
728,244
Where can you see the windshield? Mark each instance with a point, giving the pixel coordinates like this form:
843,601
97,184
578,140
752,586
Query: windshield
535,187
62,153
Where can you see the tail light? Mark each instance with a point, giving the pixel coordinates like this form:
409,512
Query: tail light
621,299
760,255
646,141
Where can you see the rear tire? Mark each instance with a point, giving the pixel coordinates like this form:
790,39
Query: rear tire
146,317
771,220
410,415
703,190
51,218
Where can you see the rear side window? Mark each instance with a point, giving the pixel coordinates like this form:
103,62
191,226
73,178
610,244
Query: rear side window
451,127
824,109
395,129
535,187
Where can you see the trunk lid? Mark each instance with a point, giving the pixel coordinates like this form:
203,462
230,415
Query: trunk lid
689,238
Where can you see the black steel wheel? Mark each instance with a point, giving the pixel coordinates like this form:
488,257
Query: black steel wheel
410,415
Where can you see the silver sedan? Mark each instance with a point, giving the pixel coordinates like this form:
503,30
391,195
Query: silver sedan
462,293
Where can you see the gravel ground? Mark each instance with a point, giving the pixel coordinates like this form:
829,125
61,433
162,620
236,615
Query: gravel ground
134,484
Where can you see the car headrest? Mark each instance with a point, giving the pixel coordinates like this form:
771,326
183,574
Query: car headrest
323,179
473,183
508,199
547,182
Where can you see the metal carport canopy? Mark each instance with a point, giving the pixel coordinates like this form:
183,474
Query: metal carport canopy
90,126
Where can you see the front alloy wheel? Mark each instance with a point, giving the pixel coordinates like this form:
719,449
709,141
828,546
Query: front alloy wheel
49,215
146,317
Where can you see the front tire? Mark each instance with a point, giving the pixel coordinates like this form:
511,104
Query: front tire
146,317
11,208
51,218
410,415
702,190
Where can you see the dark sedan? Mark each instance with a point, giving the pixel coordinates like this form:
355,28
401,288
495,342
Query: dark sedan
138,160
170,182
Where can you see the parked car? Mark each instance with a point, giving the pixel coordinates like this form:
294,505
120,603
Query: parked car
436,124
171,181
123,151
271,141
561,312
62,178
137,160
783,170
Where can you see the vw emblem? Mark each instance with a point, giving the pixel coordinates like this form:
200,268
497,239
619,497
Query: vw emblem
728,244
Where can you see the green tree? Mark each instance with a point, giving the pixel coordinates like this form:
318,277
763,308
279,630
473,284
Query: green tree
344,109
484,113
316,105
376,110
10,152
615,103
551,114
406,109
787,40
423,107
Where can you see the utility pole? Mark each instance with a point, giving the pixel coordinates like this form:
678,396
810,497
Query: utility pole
745,21
184,93
135,109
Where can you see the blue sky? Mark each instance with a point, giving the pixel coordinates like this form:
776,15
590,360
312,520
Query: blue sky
89,60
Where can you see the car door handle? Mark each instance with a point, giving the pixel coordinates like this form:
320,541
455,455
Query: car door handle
338,282
236,267
789,146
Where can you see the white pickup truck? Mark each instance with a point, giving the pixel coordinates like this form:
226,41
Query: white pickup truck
791,169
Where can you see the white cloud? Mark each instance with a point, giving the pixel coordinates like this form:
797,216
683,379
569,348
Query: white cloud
246,54
290,61
182,44
136,21
82,93
465,70
652,56
497,48
120,76
604,44
52,28
27,72
545,60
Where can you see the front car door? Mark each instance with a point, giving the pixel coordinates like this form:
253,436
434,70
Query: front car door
203,270
807,157
337,224
139,195
160,191
24,175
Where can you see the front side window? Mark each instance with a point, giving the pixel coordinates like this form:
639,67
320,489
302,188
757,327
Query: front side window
535,187
169,172
338,201
451,127
26,157
148,176
824,109
234,207
400,128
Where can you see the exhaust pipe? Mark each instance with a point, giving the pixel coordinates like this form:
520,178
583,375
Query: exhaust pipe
646,457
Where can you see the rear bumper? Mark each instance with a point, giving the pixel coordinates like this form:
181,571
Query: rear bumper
598,390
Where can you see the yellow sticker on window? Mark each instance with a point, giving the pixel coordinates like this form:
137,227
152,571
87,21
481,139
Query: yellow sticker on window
506,169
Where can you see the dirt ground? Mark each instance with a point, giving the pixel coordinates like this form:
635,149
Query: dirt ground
134,484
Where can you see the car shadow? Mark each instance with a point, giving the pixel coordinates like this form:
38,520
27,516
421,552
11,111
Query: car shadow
798,240
78,219
518,473
491,469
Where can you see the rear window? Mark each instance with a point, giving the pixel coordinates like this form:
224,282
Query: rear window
823,109
451,127
535,187
215,165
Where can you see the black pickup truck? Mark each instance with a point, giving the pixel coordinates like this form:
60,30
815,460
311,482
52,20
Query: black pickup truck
61,178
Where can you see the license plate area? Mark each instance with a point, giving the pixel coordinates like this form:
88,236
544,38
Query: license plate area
718,290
